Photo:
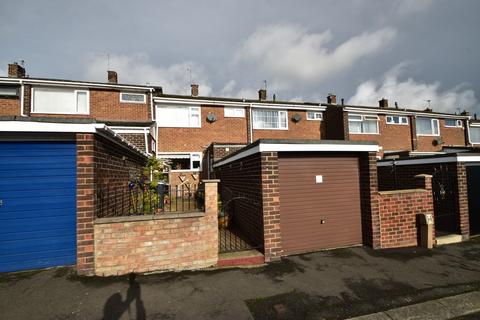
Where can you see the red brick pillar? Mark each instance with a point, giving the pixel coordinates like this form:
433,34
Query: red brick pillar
271,206
211,209
462,200
424,181
85,203
370,200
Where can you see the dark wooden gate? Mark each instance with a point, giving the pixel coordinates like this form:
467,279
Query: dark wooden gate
473,181
444,183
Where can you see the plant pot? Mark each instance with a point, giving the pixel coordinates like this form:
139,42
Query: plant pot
223,222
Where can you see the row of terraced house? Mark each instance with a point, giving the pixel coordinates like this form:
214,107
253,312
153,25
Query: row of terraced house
264,151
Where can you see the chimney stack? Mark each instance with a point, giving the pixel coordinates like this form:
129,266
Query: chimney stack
262,94
194,90
112,77
383,103
331,99
16,71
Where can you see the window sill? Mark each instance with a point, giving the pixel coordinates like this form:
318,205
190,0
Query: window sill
284,129
364,133
428,135
67,113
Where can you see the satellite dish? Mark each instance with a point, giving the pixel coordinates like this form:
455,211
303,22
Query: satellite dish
211,117
296,117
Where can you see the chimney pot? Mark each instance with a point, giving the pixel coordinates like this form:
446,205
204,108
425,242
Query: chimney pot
332,99
262,94
383,103
194,90
112,77
343,101
16,71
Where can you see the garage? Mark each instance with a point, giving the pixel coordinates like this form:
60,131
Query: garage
37,204
319,201
473,182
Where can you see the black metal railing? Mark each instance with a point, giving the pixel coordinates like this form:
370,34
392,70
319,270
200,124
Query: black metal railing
128,201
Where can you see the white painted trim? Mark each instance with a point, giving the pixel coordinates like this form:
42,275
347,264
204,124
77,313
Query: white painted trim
134,93
286,118
429,161
288,107
190,107
22,99
32,126
250,120
118,129
303,147
403,112
73,84
75,92
396,124
146,140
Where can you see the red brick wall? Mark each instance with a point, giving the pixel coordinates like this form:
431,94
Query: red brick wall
449,136
137,139
369,200
158,243
100,163
193,177
399,212
9,106
304,129
228,130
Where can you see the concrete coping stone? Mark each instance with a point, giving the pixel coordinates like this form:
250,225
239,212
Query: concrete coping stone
211,181
162,216
402,191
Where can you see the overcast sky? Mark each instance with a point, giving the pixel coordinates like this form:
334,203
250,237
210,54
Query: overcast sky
362,50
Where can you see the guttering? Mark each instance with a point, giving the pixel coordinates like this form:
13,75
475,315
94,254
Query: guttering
299,147
74,84
151,104
250,124
400,112
406,162
22,101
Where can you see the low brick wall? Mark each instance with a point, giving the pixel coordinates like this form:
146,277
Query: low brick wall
399,210
163,242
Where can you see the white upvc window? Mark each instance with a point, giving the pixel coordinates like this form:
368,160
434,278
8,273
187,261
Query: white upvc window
363,124
232,112
475,134
314,115
188,161
129,97
397,120
179,116
427,127
453,123
270,119
9,91
60,101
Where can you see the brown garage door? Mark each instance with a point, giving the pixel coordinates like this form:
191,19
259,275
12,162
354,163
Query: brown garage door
304,203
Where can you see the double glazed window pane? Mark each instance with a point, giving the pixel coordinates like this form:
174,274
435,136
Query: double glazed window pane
269,119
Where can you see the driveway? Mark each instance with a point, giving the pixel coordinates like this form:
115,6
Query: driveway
332,284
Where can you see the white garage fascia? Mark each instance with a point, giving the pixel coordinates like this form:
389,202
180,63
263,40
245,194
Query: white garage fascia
299,147
33,126
407,162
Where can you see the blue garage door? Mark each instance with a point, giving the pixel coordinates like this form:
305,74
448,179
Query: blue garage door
37,205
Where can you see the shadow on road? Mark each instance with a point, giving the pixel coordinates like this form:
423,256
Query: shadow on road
115,307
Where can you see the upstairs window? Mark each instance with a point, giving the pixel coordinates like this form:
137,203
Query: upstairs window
178,117
365,124
312,115
8,91
129,97
452,123
397,120
270,119
230,112
427,127
60,101
475,134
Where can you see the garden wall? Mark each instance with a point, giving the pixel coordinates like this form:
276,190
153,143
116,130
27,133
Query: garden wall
162,242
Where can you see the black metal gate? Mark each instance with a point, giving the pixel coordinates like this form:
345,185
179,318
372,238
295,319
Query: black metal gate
473,186
444,183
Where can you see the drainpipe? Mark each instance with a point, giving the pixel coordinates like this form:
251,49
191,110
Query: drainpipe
250,123
151,104
22,99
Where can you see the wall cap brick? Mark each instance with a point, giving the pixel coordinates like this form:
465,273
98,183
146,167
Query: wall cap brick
211,181
423,176
401,191
163,216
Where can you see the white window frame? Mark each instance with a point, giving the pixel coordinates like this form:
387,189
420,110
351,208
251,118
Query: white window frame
74,97
400,118
469,134
433,134
458,124
190,154
191,111
317,116
236,112
362,118
255,126
134,93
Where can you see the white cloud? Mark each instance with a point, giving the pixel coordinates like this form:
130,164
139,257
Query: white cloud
288,53
412,93
137,69
406,7
228,88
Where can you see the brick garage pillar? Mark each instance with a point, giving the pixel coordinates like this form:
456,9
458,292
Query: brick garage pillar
369,200
462,200
211,197
271,206
85,203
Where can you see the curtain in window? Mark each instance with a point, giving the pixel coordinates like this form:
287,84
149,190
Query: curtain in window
355,126
369,126
269,119
475,135
424,126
